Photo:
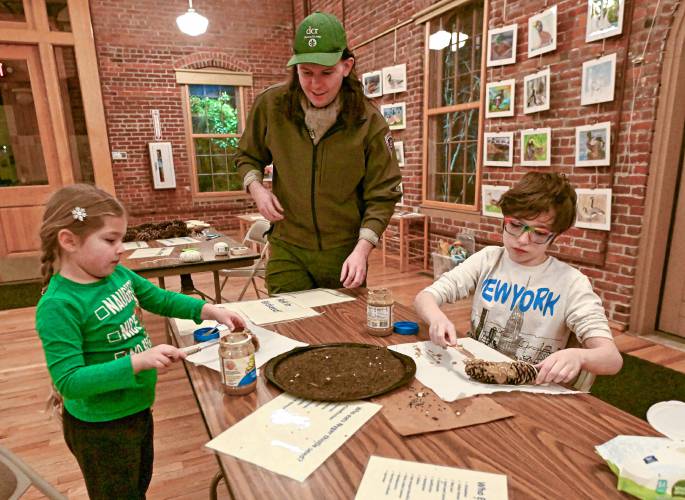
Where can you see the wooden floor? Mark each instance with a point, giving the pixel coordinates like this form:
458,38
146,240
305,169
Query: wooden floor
183,469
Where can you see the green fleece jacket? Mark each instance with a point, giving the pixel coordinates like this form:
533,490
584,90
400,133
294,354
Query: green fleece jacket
88,332
349,180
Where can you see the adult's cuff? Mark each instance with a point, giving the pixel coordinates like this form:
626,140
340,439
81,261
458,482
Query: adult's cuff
250,177
369,235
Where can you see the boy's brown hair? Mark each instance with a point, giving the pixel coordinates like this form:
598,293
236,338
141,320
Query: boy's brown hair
539,192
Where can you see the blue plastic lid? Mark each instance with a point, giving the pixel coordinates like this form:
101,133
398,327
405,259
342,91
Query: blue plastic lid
405,327
203,334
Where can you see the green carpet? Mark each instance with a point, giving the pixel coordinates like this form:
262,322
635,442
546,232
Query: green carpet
639,385
19,295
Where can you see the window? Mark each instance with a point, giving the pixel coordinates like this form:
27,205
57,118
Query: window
215,122
453,108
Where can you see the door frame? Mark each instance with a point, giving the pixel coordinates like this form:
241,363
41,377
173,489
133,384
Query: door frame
661,186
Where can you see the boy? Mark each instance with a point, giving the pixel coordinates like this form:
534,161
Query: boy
526,303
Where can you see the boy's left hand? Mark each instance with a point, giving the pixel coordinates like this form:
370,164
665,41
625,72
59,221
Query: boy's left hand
560,367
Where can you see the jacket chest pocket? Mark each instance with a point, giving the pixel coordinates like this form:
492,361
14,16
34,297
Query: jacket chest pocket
341,169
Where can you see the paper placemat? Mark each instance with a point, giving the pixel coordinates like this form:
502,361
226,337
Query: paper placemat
271,310
400,479
130,245
292,436
317,297
183,240
443,370
146,253
415,409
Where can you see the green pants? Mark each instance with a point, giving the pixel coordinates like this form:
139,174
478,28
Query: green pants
291,268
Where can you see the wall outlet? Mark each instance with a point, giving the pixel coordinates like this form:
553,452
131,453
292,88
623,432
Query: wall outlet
119,155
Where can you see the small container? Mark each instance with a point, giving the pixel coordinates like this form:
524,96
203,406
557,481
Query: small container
221,248
379,312
206,333
238,371
406,327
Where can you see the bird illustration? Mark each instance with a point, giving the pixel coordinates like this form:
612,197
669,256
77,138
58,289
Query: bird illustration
394,82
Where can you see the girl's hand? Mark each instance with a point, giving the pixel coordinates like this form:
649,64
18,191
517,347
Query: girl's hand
232,320
560,367
158,357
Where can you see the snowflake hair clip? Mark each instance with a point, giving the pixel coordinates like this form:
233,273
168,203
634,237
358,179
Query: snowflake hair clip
79,214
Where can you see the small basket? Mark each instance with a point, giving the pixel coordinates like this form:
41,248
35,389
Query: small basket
441,264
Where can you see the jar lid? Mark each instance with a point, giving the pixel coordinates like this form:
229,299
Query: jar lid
405,327
205,334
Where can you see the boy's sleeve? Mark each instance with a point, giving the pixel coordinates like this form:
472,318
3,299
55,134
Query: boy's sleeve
165,302
585,314
460,282
60,333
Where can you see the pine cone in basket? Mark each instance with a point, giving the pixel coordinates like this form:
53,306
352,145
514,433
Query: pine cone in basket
501,372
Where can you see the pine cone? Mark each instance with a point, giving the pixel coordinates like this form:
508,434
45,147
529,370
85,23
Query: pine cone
501,372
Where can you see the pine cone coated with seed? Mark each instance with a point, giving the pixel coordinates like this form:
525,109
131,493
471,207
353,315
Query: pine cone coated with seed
501,372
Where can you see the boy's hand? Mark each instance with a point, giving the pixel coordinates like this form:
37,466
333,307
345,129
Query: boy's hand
232,320
442,331
560,367
159,356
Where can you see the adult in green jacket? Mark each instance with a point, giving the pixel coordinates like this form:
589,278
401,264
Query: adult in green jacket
336,179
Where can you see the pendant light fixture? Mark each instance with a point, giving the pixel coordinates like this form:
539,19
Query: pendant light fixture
191,23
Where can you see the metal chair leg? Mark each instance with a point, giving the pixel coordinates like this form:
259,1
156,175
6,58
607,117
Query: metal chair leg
214,485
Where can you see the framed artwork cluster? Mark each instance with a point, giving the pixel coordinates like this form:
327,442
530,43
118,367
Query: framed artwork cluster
389,80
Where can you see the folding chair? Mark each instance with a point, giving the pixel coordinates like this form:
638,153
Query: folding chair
16,477
255,235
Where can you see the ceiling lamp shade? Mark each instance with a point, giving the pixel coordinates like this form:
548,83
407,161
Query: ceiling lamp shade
439,40
191,23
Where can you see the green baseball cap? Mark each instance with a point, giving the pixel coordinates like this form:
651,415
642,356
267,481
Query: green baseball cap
320,39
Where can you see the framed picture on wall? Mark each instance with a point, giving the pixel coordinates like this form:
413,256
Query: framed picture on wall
604,19
599,79
371,81
536,147
395,114
499,149
536,92
542,32
490,195
500,99
593,208
502,45
399,152
395,79
593,145
163,175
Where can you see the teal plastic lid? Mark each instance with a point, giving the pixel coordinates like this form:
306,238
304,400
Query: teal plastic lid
205,334
405,327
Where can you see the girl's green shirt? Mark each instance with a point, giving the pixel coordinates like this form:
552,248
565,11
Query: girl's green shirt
90,330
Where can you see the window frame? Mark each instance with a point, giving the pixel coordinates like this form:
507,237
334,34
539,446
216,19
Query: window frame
210,76
429,112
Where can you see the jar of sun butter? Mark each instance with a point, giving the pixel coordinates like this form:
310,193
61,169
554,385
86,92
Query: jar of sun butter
379,312
238,371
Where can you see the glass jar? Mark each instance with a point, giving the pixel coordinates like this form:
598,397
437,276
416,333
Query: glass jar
238,371
379,312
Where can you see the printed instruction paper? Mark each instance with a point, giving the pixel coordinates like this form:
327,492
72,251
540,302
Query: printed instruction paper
271,310
292,436
389,478
146,253
184,240
317,297
131,245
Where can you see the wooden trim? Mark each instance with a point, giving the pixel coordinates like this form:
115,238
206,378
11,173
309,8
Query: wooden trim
451,213
213,76
453,109
34,36
426,97
668,133
481,112
435,10
40,15
87,67
190,144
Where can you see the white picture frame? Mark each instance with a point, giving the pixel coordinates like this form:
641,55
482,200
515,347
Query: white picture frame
395,79
489,196
502,45
395,114
500,98
498,149
162,163
604,19
536,92
372,83
593,208
599,80
399,152
542,32
536,149
593,145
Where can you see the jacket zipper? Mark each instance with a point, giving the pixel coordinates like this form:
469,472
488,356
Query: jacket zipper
313,198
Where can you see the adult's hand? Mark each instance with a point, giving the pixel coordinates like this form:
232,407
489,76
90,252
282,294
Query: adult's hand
353,271
267,203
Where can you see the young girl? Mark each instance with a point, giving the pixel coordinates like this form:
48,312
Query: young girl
98,353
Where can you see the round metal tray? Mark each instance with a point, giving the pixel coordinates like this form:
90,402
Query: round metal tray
407,375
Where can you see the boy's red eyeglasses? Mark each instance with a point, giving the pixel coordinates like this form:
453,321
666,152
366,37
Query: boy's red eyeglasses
537,235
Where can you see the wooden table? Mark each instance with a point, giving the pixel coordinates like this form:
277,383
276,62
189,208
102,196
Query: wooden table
546,450
171,265
404,237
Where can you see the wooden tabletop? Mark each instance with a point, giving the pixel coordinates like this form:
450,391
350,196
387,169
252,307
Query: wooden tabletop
546,450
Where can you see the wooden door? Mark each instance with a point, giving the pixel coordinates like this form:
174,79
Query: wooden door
672,309
29,169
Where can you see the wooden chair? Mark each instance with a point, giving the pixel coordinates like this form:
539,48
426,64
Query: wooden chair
16,477
256,235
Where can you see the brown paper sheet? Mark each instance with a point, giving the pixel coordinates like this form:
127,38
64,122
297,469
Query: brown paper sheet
415,409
